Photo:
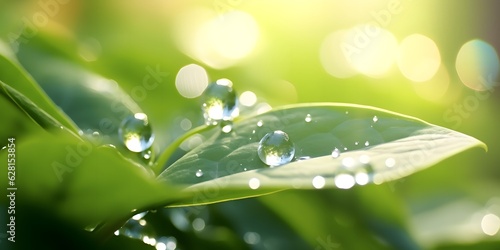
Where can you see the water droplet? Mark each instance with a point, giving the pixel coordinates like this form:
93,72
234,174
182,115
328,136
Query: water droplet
199,173
254,183
390,162
276,148
227,126
344,181
260,123
318,182
367,143
345,148
251,238
166,243
244,169
220,102
356,143
347,112
335,153
375,119
308,118
303,158
136,132
348,162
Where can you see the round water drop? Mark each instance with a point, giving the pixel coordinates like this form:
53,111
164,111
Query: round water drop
335,153
356,143
362,178
367,143
308,118
375,119
199,173
260,123
220,102
276,148
136,132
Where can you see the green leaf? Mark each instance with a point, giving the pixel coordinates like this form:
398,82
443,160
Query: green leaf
85,183
14,75
398,145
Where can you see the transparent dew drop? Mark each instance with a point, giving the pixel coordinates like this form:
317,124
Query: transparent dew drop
335,153
276,148
260,123
390,162
375,119
308,118
199,173
220,102
136,132
367,143
356,143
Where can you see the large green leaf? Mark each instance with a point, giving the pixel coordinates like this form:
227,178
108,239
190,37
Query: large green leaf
376,146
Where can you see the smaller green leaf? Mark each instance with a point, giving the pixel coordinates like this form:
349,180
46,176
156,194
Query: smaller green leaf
14,75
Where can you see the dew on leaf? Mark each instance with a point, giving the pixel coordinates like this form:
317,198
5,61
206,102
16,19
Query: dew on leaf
220,102
365,159
375,119
199,173
227,127
361,178
136,132
260,123
308,118
276,148
367,143
335,153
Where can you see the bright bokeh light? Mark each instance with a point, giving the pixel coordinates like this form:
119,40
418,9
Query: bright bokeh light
332,56
318,182
248,98
370,50
254,183
477,65
490,224
435,88
418,58
344,181
191,81
218,40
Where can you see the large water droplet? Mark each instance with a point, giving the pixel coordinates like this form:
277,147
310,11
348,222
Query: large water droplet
227,126
136,132
199,173
276,148
335,153
220,102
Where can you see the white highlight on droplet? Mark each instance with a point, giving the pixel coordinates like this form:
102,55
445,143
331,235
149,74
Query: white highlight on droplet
318,182
344,181
362,178
254,183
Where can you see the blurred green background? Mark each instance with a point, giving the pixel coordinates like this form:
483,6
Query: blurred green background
435,60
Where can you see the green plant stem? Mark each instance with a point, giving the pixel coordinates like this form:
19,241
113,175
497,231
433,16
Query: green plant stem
167,153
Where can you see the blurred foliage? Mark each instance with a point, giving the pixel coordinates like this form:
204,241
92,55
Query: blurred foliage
440,208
